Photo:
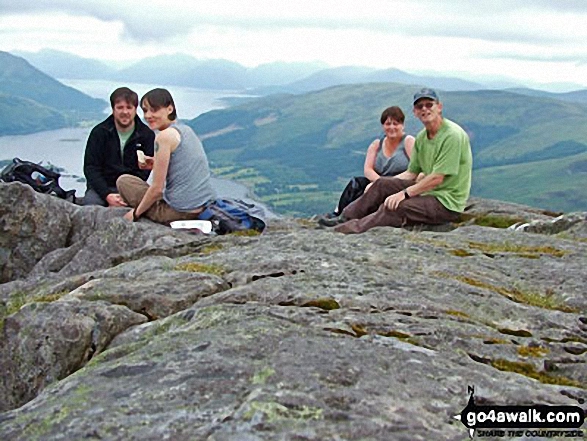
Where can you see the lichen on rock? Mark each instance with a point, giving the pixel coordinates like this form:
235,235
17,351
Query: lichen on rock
135,331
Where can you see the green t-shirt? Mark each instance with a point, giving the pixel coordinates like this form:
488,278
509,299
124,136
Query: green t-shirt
448,153
123,136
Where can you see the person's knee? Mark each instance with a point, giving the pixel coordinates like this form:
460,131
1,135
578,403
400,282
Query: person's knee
121,181
124,182
388,184
92,198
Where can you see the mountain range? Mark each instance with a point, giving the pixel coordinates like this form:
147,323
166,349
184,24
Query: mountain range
298,151
173,69
279,77
31,100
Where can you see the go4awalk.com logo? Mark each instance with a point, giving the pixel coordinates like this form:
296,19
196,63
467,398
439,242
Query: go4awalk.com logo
517,421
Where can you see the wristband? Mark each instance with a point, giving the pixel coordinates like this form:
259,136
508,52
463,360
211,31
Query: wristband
406,195
134,215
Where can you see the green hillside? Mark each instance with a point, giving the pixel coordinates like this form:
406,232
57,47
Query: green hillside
298,152
26,116
33,101
555,184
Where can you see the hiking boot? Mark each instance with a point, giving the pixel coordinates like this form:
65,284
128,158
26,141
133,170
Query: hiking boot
331,221
331,215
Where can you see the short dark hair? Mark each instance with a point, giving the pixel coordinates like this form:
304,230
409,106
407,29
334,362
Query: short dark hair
158,98
393,112
125,94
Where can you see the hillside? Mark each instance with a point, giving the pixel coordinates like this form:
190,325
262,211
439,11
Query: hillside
19,78
184,70
576,96
298,151
65,65
33,101
360,75
20,116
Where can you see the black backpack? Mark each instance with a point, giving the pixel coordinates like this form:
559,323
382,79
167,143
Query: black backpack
353,191
41,179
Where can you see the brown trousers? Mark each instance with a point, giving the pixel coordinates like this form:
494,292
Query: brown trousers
132,190
369,211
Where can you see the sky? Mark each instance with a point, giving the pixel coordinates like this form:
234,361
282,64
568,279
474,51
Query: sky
534,42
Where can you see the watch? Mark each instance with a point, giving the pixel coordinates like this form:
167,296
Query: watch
406,195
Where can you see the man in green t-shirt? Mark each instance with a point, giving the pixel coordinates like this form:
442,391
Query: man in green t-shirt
435,187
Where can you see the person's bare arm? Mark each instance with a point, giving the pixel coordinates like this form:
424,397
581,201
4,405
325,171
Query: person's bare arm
428,183
369,167
165,143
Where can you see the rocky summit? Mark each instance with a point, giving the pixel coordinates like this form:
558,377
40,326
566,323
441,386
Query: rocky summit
113,330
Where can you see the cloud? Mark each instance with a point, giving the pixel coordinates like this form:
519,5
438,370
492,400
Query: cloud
145,21
575,58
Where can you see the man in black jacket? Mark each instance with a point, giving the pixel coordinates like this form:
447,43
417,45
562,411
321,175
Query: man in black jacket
112,147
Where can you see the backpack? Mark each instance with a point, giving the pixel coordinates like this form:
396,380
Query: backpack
41,179
353,191
230,215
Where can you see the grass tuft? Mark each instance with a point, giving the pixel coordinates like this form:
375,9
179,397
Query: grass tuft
508,247
326,303
457,313
194,267
245,233
528,370
532,351
493,221
527,297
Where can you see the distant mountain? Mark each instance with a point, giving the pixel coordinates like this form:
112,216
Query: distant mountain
321,80
281,73
19,78
184,70
44,101
298,151
331,77
65,65
359,75
437,82
175,69
577,96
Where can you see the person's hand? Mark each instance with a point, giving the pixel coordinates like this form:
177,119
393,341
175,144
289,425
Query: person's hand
129,216
147,164
115,200
368,187
392,202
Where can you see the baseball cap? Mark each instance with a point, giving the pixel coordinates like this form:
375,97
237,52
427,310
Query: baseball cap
425,93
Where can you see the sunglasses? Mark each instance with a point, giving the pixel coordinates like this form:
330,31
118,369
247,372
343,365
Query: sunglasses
427,104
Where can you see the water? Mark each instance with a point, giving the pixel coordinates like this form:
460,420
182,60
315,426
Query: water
190,102
65,147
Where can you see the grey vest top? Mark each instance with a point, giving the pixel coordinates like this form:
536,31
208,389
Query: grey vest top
188,178
395,164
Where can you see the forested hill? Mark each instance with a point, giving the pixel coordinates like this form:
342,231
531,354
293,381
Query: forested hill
45,103
297,152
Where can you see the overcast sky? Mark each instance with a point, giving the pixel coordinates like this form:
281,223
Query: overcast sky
535,41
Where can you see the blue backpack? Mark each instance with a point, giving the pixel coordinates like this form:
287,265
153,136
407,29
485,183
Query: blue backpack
230,215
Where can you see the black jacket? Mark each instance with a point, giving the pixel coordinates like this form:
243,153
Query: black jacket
103,162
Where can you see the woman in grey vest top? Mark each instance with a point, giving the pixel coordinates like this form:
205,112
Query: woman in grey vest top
388,156
181,177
